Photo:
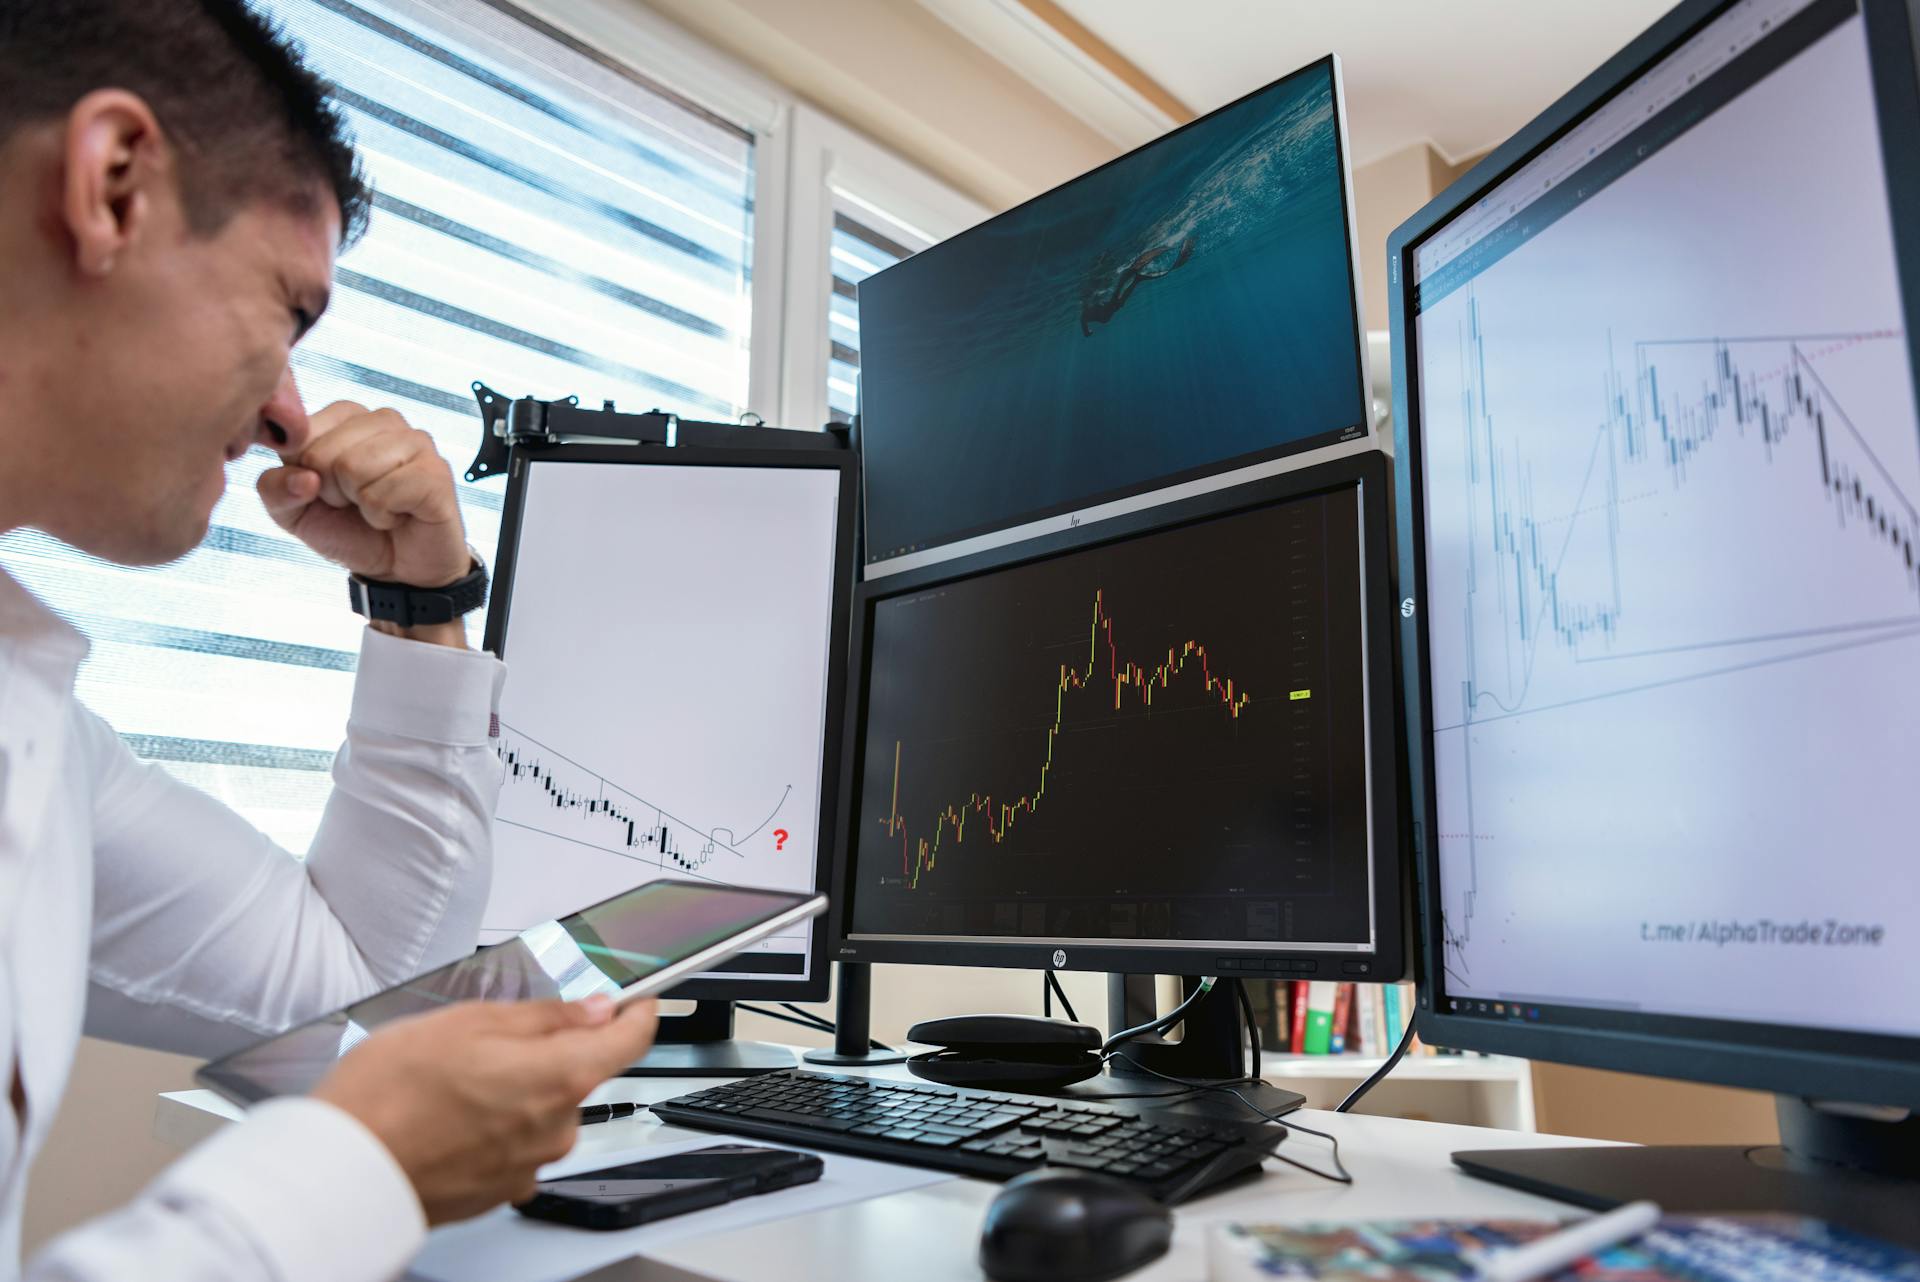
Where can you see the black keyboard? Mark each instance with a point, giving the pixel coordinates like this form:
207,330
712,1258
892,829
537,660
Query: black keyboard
987,1135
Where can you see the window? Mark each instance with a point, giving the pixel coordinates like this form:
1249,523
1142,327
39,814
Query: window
546,222
857,252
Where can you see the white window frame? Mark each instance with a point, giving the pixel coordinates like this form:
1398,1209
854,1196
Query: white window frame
676,60
807,167
836,170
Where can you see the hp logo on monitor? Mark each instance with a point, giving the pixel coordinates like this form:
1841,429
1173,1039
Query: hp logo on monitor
1059,958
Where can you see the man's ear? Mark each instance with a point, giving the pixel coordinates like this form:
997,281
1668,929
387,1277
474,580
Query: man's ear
116,161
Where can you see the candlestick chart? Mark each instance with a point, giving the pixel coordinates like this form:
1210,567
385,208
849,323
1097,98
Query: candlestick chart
1155,737
1604,563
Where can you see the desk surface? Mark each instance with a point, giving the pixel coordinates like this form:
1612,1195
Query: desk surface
1400,1169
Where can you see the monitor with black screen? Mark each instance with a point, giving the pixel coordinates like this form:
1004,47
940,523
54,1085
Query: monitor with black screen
1163,744
1187,310
1659,500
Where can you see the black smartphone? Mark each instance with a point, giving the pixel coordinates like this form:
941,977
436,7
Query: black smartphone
642,1192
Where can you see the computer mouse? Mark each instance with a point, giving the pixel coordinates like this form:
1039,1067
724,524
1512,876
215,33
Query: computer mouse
1071,1226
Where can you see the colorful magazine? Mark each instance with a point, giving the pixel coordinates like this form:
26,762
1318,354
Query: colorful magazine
1718,1248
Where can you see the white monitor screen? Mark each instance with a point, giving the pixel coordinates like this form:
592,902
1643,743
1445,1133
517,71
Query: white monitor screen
1670,469
667,641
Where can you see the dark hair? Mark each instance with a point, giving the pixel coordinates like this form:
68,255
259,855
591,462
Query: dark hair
247,118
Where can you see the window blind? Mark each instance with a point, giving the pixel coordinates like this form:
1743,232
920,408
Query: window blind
544,221
857,252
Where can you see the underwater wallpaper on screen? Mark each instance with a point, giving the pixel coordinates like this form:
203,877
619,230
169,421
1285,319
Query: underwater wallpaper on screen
1190,303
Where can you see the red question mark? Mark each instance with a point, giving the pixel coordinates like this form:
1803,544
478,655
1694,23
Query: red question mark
779,838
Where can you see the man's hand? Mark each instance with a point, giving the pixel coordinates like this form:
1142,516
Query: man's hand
374,495
473,1099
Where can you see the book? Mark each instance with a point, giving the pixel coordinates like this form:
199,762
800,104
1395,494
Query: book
1381,1041
1366,1017
1297,1016
1390,1000
1342,1020
1318,1036
1708,1248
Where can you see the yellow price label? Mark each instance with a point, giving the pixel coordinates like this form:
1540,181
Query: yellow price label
1301,694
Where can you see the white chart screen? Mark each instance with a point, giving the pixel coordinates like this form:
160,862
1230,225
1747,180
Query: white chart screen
667,648
1671,463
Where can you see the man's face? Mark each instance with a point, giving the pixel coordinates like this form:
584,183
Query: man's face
178,363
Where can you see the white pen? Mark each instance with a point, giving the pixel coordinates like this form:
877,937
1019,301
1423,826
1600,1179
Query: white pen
1576,1242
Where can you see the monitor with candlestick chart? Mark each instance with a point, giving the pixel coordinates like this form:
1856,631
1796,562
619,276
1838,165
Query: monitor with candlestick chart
1164,747
674,624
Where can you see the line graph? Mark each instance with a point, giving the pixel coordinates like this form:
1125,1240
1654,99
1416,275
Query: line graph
1161,735
920,856
1668,447
1540,579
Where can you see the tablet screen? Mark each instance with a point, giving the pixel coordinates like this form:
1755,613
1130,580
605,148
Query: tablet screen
609,947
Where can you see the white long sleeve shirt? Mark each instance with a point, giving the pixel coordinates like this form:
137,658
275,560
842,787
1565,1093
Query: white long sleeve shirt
138,909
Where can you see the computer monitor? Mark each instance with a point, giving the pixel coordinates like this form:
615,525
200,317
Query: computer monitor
1161,744
674,621
1659,466
1187,310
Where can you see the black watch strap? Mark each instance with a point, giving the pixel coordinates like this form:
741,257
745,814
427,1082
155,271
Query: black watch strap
410,607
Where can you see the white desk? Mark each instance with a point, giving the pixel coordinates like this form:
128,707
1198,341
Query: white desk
931,1234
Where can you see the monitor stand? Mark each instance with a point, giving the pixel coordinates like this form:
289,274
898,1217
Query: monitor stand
1212,1049
701,1044
852,1023
1862,1172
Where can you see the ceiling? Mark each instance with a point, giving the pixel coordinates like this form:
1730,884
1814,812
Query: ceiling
1459,74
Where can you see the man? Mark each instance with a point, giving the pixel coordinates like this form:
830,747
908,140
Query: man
173,187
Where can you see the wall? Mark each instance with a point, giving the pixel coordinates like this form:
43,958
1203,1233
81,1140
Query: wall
1648,1110
895,72
101,1150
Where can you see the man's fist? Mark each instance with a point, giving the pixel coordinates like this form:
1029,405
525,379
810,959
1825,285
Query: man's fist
373,494
472,1100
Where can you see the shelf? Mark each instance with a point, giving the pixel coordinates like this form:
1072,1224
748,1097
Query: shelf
1414,1068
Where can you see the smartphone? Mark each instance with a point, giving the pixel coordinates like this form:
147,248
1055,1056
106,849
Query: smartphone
642,1192
637,943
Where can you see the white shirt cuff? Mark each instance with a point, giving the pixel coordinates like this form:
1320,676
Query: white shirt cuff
321,1198
418,690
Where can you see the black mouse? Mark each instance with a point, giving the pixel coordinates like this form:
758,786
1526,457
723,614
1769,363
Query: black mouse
1071,1226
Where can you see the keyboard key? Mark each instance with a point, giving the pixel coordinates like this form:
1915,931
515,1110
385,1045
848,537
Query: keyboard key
811,1120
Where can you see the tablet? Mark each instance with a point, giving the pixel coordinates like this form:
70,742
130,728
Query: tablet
635,944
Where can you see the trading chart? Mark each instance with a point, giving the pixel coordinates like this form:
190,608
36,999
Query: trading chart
667,646
1671,476
1160,737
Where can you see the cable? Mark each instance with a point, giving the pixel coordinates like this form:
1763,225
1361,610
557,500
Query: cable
1353,1096
805,1020
1341,1174
1161,1024
1053,987
1253,1027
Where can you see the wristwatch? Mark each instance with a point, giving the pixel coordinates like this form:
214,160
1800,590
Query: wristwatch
410,607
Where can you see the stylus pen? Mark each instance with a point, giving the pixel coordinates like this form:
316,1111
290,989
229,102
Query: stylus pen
591,1113
1576,1242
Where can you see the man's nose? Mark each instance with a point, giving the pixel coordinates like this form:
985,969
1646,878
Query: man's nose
284,428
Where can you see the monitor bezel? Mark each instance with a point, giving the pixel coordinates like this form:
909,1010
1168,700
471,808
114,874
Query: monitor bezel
817,984
1790,1059
1388,960
1099,505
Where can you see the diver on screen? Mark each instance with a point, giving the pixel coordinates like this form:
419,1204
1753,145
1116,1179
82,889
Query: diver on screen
1099,301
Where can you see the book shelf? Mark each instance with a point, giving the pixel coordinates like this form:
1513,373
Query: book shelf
1473,1090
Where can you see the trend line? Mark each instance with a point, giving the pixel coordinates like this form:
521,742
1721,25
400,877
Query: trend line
624,820
918,857
1727,390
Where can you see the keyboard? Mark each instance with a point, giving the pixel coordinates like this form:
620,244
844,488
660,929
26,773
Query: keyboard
983,1134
